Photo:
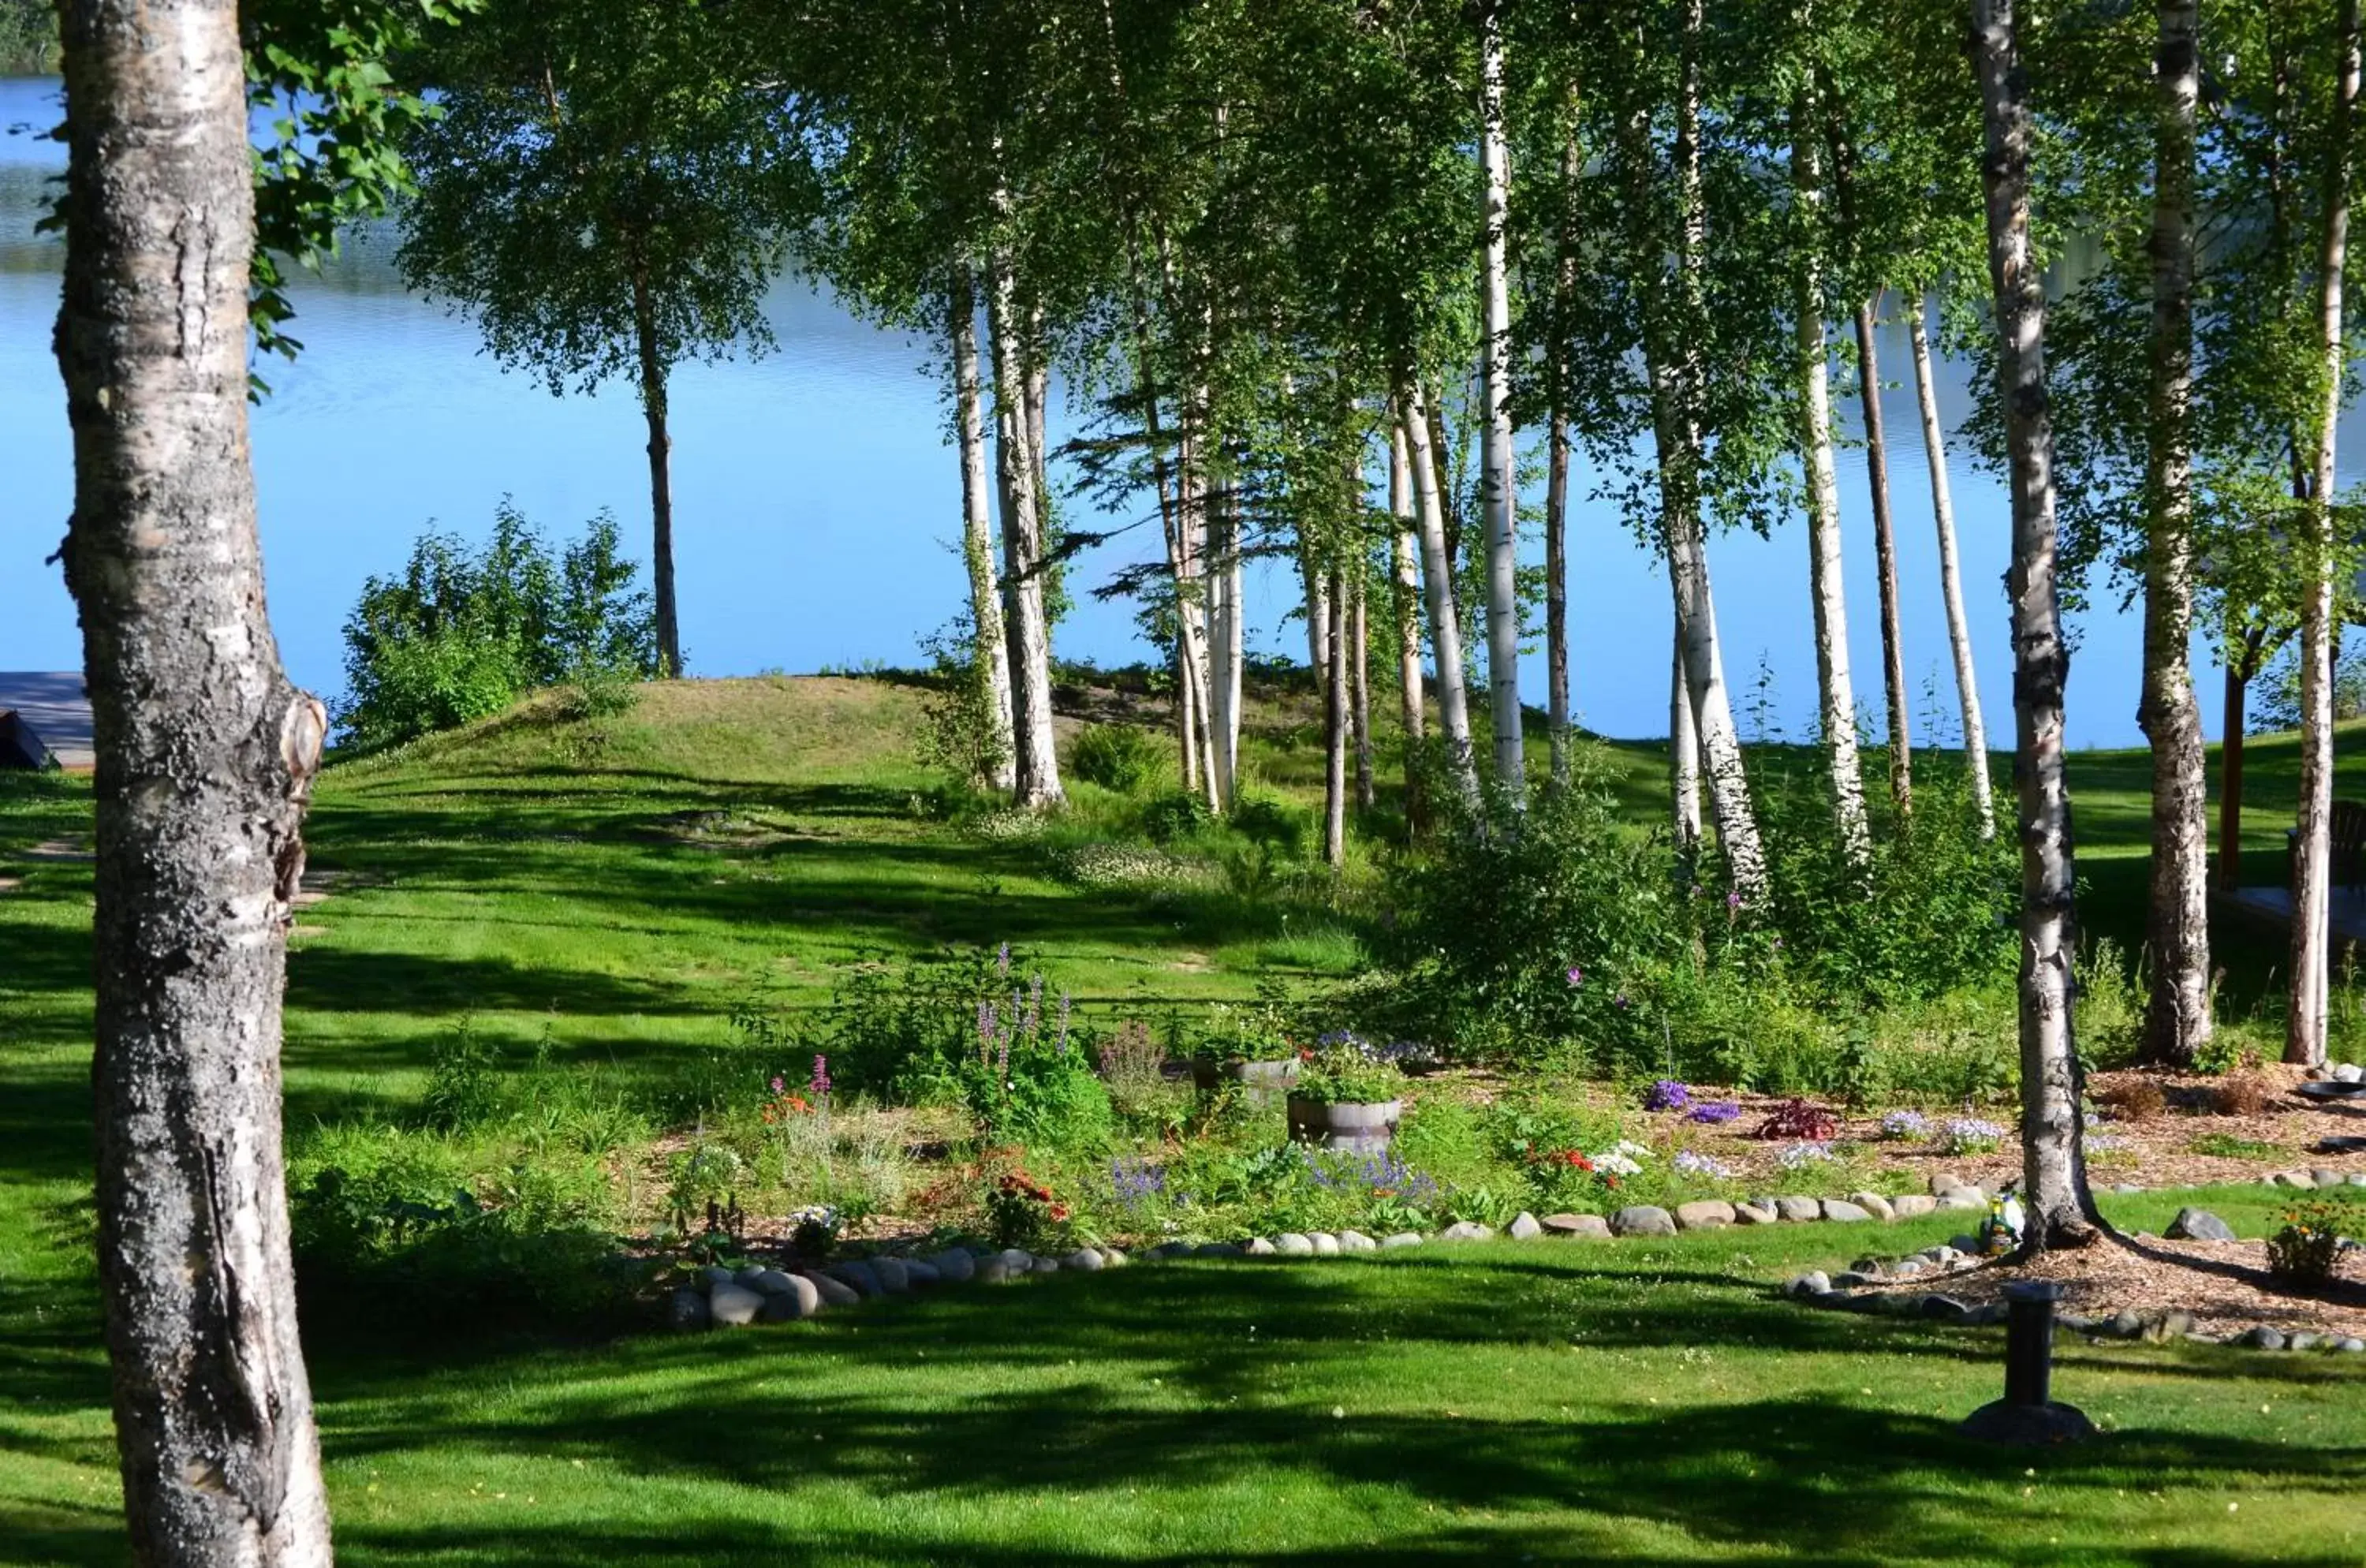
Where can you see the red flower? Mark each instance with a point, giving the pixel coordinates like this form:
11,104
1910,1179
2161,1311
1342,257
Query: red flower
1059,1211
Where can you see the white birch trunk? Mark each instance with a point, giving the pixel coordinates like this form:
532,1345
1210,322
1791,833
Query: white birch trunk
990,648
2176,937
1437,590
1335,730
206,756
1035,758
1836,696
1498,487
1683,760
1951,578
1406,595
2305,1040
2059,1210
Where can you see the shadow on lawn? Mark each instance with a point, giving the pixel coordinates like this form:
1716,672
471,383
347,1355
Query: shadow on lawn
873,1402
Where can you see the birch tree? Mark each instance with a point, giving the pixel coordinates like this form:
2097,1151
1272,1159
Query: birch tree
2059,1206
206,758
990,650
1498,494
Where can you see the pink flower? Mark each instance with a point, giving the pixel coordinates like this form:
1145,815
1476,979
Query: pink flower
779,1083
1576,976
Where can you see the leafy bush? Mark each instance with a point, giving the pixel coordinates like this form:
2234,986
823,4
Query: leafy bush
2306,1249
1346,1074
1178,814
1121,757
462,633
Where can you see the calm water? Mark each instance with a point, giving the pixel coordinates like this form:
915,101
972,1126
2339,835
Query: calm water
817,497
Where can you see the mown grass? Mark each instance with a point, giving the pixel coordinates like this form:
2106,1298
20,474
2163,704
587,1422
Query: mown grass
611,886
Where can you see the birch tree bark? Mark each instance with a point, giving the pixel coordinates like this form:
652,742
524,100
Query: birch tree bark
1951,577
660,452
1035,759
1684,762
1359,685
1836,696
1885,556
1498,484
992,651
2060,1209
1334,729
206,758
2177,1011
1405,592
1557,475
1437,588
2313,878
1224,647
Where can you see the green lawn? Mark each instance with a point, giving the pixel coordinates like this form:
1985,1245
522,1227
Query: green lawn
541,880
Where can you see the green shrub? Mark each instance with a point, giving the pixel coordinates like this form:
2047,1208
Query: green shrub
1178,814
463,632
2306,1249
1121,757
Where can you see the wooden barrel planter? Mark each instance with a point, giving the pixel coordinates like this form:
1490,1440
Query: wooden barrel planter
1263,1082
1355,1127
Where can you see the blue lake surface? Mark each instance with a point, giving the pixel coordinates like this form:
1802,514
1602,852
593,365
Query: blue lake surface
817,500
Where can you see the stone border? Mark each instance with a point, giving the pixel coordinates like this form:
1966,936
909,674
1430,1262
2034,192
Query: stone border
722,1298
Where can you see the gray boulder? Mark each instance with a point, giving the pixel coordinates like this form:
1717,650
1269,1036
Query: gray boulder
1219,1249
1755,1215
1841,1209
2304,1340
1326,1243
1290,1244
1524,1227
1873,1203
766,1281
1960,1198
734,1304
1944,1182
833,1291
1084,1258
1799,1210
1854,1280
1705,1213
800,1300
1643,1219
921,1272
2261,1338
1112,1258
1257,1246
1814,1282
1581,1227
859,1274
1466,1230
1356,1241
715,1274
1402,1238
2350,1347
894,1278
2326,1178
1046,1265
1912,1205
686,1309
2348,1072
2199,1224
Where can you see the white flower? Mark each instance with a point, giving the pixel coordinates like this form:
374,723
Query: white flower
1632,1150
1617,1164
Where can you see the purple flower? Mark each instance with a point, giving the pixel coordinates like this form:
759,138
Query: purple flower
1064,1024
821,1075
1576,976
1002,960
1710,1112
1666,1095
1733,900
1691,1164
1619,1000
778,1083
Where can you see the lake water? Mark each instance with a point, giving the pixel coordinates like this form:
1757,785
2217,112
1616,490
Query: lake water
817,500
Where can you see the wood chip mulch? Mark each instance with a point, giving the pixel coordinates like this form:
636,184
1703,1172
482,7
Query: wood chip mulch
2225,1284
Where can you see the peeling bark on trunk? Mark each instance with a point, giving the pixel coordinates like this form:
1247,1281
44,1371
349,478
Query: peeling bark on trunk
660,451
1498,483
990,648
1405,596
205,759
1222,570
1836,695
2177,1011
1684,762
1885,554
2060,1209
2313,879
1437,588
1036,764
1950,579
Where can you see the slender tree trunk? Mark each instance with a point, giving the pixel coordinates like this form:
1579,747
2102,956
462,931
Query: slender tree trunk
205,759
1885,554
1684,762
660,449
1317,586
1335,731
1437,588
989,648
1557,475
1951,578
2313,880
2232,719
1498,483
1359,685
1835,691
2176,1012
1405,592
2060,1209
1036,763
1225,636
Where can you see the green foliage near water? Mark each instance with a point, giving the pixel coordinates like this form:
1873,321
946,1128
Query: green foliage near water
463,632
